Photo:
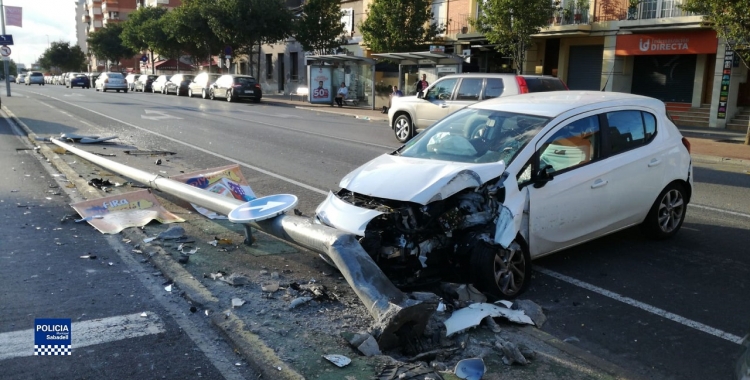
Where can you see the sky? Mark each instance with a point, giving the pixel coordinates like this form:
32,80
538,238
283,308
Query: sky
43,20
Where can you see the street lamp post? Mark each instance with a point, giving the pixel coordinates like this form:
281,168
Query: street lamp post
6,63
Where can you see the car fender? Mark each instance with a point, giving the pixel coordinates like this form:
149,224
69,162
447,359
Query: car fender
513,214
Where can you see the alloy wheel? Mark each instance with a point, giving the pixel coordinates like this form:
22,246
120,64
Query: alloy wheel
671,209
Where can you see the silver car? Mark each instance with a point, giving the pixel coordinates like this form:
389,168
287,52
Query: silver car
111,81
21,78
35,77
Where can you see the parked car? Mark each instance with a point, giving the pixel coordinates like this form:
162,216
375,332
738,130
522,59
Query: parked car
77,80
35,77
11,78
236,87
499,183
60,79
47,79
160,84
130,80
411,114
179,83
21,78
201,84
143,83
111,81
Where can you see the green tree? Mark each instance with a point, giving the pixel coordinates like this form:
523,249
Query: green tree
399,25
12,68
144,31
63,56
188,25
244,24
319,29
510,24
731,20
106,44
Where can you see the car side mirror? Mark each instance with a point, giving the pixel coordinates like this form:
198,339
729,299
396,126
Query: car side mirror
543,176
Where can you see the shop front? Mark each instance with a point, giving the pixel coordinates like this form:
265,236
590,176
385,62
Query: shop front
673,66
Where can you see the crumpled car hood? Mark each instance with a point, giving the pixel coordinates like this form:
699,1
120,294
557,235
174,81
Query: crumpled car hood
417,180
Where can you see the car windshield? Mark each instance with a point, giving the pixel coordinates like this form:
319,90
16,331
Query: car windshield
188,77
475,135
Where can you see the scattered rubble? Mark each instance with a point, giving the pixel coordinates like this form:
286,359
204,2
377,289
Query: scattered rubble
172,233
237,302
338,360
299,301
235,279
364,342
472,315
407,371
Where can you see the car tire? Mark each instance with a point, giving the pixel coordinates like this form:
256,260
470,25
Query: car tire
204,95
190,93
403,128
502,273
96,88
230,98
667,213
163,90
211,95
256,100
125,90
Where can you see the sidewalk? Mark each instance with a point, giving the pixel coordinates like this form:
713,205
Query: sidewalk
706,144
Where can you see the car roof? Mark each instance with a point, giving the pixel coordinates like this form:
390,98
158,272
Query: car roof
553,103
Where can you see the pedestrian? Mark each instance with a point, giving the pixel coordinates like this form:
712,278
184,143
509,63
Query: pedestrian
341,94
395,92
422,85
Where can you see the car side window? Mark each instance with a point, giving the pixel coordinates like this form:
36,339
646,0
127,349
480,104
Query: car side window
573,145
629,129
494,88
469,89
442,90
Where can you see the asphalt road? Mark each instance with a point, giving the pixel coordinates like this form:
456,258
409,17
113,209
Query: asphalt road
667,310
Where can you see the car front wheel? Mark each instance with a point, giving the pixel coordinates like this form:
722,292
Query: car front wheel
211,95
667,213
403,128
203,94
503,273
229,96
190,93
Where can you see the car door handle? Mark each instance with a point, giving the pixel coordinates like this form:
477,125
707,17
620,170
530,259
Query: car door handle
599,183
654,162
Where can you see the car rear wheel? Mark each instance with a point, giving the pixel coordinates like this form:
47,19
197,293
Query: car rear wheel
190,93
163,90
211,95
667,213
503,273
256,100
229,96
203,94
403,128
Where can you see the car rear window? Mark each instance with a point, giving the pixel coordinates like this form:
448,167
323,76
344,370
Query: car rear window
36,74
188,77
244,80
114,75
80,75
538,84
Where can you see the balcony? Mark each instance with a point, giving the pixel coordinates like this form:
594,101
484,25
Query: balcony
461,25
619,10
86,19
111,5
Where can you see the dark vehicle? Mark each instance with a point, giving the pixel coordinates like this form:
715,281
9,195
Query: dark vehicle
179,83
234,87
130,80
143,83
201,84
160,84
77,80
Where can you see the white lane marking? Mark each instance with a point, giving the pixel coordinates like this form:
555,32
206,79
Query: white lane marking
87,333
260,170
158,115
630,301
640,305
735,213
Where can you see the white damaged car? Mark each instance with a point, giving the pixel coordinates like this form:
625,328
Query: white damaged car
489,188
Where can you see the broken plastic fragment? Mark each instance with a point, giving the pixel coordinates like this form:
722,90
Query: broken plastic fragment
237,302
168,288
507,304
339,360
470,369
216,276
299,301
471,316
92,257
441,307
144,314
214,242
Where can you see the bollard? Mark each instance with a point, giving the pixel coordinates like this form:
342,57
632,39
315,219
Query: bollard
391,308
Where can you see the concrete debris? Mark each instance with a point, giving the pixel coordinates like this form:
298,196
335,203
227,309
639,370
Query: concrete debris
468,293
470,369
215,276
100,183
214,242
364,342
492,324
168,288
408,371
533,310
473,315
237,302
270,287
275,275
512,353
339,360
235,279
173,232
299,301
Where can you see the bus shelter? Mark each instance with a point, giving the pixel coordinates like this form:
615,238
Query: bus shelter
325,73
412,65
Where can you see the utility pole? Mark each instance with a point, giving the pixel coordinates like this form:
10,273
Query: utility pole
6,62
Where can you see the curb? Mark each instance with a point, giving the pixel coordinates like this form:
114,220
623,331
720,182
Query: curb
362,117
260,357
719,160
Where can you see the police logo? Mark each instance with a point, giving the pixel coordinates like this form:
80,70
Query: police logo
52,337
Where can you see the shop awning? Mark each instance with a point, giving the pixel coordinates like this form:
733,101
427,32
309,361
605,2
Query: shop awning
172,64
318,59
421,58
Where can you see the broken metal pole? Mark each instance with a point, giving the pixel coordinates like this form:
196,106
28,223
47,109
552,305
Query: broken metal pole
390,307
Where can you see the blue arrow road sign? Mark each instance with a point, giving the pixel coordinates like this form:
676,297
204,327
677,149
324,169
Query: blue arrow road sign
262,208
6,39
144,58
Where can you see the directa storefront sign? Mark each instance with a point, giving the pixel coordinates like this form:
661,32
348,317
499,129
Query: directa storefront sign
699,42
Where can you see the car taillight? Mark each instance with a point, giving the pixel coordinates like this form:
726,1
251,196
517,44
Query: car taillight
686,142
257,85
523,88
237,85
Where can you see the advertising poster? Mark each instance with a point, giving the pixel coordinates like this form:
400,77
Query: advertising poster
114,213
226,180
320,86
726,76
